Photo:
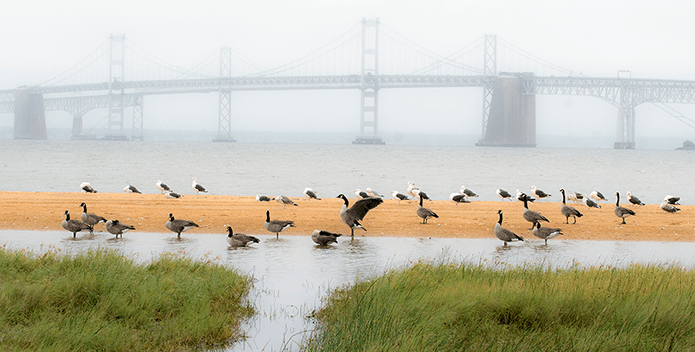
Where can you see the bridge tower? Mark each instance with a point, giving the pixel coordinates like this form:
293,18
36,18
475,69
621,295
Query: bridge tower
625,130
489,70
138,105
29,115
224,117
116,104
369,113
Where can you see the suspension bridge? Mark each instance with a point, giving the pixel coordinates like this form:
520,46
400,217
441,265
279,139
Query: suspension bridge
368,57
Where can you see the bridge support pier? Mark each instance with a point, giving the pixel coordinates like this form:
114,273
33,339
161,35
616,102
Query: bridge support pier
29,116
625,130
76,126
512,119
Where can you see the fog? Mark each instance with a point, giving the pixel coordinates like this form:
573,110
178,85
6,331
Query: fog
596,38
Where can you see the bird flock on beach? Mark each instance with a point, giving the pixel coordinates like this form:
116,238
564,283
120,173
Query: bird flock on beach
370,199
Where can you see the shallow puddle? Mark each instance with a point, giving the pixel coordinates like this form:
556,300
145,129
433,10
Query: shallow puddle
293,274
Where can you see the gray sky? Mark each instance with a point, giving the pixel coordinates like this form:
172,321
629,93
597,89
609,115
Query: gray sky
598,38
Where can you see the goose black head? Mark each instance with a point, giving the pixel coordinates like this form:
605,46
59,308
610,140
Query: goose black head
229,231
171,216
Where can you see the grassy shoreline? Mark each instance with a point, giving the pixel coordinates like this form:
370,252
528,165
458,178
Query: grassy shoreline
449,307
101,300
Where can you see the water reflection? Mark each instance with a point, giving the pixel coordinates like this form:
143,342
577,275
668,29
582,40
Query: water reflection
292,274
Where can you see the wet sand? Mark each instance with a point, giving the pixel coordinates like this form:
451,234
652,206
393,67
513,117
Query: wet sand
149,212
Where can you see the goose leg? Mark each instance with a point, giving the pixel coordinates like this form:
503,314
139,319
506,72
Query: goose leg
575,220
624,221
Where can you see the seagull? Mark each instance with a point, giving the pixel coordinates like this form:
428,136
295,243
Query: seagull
420,194
351,216
162,187
598,196
459,198
504,234
398,196
532,216
89,218
546,233
672,200
178,226
172,194
239,239
468,192
131,189
262,198
117,228
668,207
568,211
575,197
361,194
425,213
198,187
590,203
521,195
74,225
411,188
311,194
503,194
538,193
324,238
373,193
634,200
285,201
87,188
276,226
621,212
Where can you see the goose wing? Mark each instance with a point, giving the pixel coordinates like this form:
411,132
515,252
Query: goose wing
362,207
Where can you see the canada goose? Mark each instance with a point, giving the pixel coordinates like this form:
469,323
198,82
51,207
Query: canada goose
503,194
672,200
619,211
178,226
598,196
546,233
633,199
239,239
590,203
351,216
162,187
324,238
538,193
87,188
131,189
459,198
530,215
373,193
89,218
411,188
117,228
309,193
172,194
398,196
361,194
668,207
74,225
575,197
468,192
197,186
276,226
520,196
504,234
425,213
284,200
568,211
421,195
262,198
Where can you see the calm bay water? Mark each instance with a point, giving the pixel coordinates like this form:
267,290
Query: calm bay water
292,274
273,169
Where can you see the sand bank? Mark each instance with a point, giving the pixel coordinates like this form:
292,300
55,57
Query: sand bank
149,212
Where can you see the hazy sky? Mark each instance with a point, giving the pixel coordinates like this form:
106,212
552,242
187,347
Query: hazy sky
651,39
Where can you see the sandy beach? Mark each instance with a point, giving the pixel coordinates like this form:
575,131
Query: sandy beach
148,213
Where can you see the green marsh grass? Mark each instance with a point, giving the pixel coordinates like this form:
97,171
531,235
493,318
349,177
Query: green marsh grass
101,300
447,307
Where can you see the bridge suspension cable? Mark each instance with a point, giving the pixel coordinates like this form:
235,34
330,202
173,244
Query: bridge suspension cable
181,72
676,114
79,67
518,51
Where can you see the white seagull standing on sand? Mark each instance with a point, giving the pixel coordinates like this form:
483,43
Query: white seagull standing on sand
398,196
198,187
373,194
411,188
172,194
503,194
361,194
284,200
87,188
131,189
311,194
162,187
264,198
598,196
538,193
